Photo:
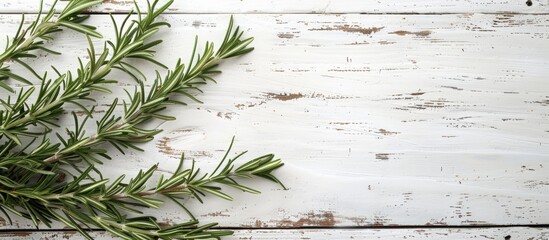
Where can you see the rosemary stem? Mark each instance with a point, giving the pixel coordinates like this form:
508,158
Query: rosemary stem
125,227
4,57
42,28
147,193
90,141
97,138
32,115
103,70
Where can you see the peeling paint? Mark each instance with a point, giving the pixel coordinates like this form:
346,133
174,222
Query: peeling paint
383,156
217,214
350,28
324,219
417,34
286,35
285,96
386,133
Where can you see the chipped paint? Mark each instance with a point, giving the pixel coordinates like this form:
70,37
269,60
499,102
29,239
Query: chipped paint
324,219
386,132
383,156
425,33
350,29
286,35
285,96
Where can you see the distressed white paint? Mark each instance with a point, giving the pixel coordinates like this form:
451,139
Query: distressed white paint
310,6
317,234
381,120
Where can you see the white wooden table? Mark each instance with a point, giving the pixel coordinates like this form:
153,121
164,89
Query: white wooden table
396,119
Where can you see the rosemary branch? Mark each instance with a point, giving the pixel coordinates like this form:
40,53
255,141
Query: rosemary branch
103,201
142,107
32,179
130,43
26,40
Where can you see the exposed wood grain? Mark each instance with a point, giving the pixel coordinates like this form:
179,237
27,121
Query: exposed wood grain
381,120
317,234
311,6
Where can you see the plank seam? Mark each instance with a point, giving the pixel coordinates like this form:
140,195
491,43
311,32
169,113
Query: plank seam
325,228
311,13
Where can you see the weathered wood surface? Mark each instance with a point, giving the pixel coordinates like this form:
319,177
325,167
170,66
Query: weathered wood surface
381,120
311,6
318,234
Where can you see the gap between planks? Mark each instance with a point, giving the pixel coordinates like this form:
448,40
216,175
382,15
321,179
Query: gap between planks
372,227
307,13
420,234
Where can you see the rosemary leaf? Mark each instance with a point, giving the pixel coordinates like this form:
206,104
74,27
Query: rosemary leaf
47,180
26,40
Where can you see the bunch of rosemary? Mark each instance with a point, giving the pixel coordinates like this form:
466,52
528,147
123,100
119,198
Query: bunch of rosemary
46,176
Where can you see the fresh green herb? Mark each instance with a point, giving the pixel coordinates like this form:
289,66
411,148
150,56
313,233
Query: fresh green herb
47,180
66,88
31,38
88,202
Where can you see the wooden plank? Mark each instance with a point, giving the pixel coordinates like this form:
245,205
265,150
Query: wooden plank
381,120
312,234
311,6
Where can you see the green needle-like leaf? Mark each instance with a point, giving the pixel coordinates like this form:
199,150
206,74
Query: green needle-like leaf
47,175
27,40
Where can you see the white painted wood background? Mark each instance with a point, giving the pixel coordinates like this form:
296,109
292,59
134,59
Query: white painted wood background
428,117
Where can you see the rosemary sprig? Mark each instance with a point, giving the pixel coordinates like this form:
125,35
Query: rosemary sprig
53,94
26,40
143,106
100,202
32,179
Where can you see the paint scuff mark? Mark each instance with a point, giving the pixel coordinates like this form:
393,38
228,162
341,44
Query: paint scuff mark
197,23
425,33
18,234
386,133
179,137
286,35
357,69
350,28
536,184
260,224
294,96
386,42
375,221
453,88
448,136
163,146
285,96
512,119
417,93
383,156
544,102
431,104
322,219
69,235
359,221
241,106
228,115
217,214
